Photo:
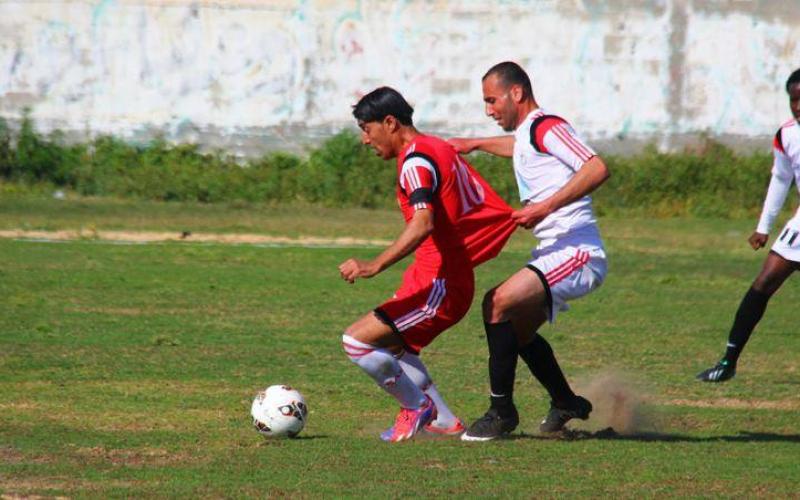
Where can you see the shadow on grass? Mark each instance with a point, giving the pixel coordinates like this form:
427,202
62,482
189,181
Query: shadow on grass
277,441
611,434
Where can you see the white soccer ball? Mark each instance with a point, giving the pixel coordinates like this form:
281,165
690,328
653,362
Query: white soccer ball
279,411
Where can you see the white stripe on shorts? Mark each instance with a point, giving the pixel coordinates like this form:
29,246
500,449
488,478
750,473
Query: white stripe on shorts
420,314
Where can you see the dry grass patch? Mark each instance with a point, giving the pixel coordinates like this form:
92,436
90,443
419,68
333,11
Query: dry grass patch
187,236
25,487
139,311
736,404
135,457
96,415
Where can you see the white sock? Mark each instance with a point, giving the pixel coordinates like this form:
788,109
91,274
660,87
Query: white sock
383,367
415,369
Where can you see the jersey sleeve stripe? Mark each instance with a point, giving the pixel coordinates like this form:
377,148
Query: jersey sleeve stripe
589,153
410,166
539,128
408,182
777,143
414,177
568,140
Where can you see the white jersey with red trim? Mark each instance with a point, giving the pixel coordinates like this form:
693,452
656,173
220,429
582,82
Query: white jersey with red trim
785,169
547,153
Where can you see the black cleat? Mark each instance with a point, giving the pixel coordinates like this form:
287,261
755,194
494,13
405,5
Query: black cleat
722,371
491,426
556,418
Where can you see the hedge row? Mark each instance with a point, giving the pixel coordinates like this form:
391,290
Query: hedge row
341,172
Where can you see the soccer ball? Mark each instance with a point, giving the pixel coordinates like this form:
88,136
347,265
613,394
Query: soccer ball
279,411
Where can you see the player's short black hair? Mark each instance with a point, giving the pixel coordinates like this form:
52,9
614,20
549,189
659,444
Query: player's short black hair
793,79
382,102
511,73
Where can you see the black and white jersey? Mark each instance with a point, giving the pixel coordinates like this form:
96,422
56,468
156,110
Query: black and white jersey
547,153
785,169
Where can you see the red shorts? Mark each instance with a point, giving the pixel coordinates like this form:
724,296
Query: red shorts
427,304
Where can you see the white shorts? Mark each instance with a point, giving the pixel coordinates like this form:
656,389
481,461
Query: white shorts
787,245
570,267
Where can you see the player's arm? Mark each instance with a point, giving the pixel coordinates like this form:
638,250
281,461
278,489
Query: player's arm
418,228
502,145
418,178
778,189
592,174
556,137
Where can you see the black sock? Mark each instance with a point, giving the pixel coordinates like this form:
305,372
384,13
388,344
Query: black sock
539,357
502,363
748,315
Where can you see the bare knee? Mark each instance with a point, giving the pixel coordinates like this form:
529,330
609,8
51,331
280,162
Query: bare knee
775,271
371,331
496,306
765,284
761,284
768,281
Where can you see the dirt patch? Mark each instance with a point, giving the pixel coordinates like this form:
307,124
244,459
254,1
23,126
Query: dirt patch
23,405
14,496
186,236
134,457
131,311
18,488
737,404
9,455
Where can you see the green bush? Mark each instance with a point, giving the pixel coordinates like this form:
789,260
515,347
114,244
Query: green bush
715,182
6,151
342,172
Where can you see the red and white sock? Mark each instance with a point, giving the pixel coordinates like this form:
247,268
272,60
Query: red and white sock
383,367
417,371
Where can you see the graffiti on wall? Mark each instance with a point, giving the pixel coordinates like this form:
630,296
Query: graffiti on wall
621,70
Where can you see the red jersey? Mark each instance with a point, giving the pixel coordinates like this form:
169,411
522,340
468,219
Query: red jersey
471,223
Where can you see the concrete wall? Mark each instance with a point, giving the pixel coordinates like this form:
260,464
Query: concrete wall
250,75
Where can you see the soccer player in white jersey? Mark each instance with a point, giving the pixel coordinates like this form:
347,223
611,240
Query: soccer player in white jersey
784,257
555,172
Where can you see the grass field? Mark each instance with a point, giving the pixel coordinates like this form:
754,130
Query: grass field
128,370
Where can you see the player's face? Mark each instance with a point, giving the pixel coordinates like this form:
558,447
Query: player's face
499,104
794,100
375,134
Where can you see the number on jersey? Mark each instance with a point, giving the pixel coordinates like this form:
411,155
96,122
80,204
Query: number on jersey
469,189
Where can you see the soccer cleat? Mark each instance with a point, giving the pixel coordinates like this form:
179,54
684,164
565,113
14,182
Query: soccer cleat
454,430
409,422
491,426
722,371
556,418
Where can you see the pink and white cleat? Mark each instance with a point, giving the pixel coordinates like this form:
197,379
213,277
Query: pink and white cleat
409,422
454,430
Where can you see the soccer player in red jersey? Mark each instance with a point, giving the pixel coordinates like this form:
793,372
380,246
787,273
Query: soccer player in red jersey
454,221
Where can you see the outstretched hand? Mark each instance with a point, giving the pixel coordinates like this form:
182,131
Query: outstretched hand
354,268
462,145
758,240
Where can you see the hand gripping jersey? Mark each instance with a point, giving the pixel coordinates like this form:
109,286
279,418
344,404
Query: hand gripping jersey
471,223
785,169
547,153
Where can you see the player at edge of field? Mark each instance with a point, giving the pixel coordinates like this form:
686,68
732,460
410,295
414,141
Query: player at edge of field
555,171
783,258
454,221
